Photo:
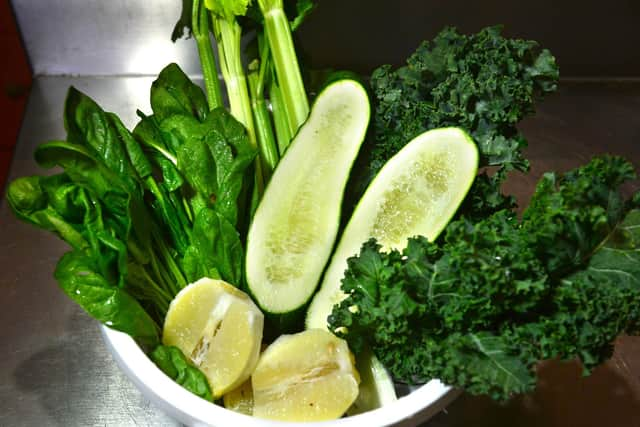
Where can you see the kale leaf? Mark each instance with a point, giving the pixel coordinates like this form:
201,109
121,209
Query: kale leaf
484,83
478,308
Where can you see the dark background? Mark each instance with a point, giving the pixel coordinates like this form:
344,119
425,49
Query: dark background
589,38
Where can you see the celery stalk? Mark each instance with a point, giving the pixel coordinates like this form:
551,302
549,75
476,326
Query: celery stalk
200,28
284,57
264,132
228,34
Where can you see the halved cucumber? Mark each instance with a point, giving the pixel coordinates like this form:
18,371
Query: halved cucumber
295,225
416,193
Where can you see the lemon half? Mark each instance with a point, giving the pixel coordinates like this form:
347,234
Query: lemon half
219,328
309,376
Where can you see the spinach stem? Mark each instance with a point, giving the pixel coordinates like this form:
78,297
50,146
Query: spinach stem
179,281
152,292
168,214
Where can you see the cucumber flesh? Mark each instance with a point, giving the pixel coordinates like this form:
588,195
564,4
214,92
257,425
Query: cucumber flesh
295,226
415,193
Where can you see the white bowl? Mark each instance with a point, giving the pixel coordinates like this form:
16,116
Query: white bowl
410,410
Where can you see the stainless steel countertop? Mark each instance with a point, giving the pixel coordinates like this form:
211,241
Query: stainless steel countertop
55,370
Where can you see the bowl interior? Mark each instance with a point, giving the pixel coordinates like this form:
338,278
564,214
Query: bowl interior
419,405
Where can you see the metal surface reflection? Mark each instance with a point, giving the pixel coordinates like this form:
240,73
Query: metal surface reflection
93,37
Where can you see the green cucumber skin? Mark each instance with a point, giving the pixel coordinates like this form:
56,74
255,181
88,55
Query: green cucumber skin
285,323
291,318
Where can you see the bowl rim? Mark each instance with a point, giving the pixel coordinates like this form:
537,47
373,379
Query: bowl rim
419,405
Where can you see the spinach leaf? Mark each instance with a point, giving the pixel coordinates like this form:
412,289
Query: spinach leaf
72,212
214,157
138,160
234,154
148,134
29,202
168,206
216,250
141,210
173,363
173,93
86,170
89,126
76,273
119,225
105,185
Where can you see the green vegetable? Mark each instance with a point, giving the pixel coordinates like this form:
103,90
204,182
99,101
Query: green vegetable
205,158
480,307
483,83
173,93
272,73
295,226
78,278
215,251
228,33
376,387
287,71
416,193
194,17
173,363
148,211
143,212
213,157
